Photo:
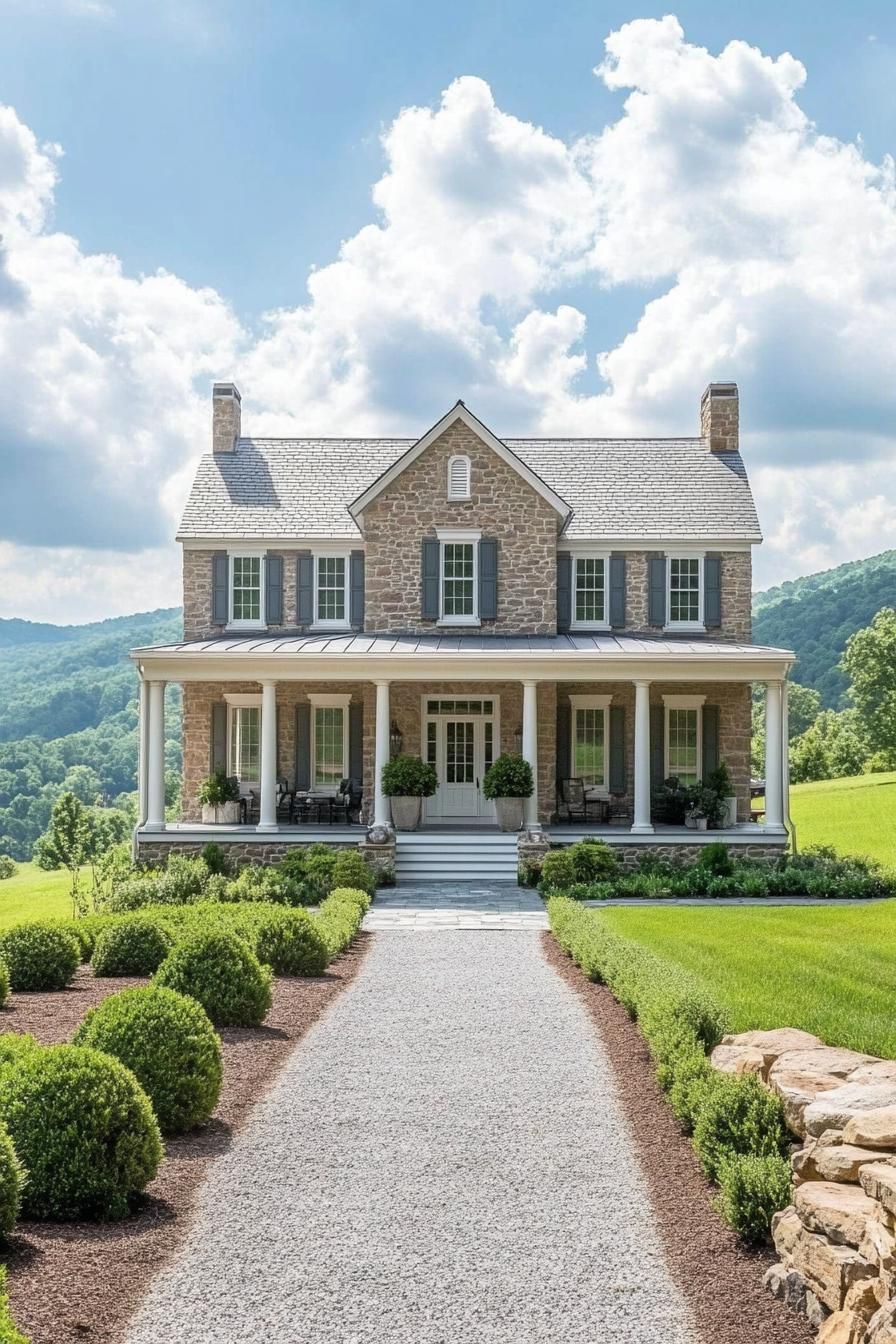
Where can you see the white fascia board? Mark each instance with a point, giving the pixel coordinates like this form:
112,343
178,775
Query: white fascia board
460,412
666,544
228,542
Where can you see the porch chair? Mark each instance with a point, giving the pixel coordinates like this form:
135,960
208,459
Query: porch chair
349,798
572,795
285,801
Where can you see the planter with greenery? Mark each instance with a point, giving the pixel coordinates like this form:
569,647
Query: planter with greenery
508,783
406,782
220,799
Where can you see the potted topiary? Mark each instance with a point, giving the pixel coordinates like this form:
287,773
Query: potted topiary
719,780
406,782
508,783
220,799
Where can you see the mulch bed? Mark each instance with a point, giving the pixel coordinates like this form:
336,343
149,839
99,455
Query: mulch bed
718,1276
83,1281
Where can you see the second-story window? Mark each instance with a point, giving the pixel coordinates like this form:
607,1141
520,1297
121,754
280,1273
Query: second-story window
685,606
458,580
246,589
590,598
331,600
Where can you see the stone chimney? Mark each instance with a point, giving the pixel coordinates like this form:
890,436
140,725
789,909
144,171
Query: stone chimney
225,417
719,417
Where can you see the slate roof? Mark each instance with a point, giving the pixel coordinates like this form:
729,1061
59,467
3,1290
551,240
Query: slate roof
674,489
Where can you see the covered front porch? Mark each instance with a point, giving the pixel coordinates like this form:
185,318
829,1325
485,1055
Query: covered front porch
627,710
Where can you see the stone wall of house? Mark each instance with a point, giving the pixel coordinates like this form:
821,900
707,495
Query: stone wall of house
630,855
154,853
501,505
737,574
197,572
837,1239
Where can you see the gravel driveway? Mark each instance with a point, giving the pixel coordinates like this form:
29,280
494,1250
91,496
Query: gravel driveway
443,1160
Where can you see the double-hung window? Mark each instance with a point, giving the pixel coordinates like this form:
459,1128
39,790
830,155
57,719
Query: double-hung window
683,737
329,741
589,753
458,578
244,738
247,589
331,601
684,603
589,590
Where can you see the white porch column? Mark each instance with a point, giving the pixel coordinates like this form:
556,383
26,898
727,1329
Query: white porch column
142,743
267,813
381,754
774,756
641,824
530,746
155,781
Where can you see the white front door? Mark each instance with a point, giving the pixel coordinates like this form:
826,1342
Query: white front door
461,746
460,777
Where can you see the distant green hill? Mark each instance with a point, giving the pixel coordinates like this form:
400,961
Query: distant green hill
816,615
68,716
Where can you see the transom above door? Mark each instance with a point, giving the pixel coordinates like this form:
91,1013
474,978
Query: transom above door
460,739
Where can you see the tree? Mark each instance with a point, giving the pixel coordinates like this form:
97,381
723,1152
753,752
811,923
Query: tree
870,661
803,708
69,839
834,746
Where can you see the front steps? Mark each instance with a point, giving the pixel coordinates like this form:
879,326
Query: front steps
443,856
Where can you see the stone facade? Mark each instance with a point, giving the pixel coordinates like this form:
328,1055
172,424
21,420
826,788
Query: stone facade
737,580
197,570
501,505
154,853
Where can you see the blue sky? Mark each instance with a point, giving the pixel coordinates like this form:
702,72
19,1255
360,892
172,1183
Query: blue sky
236,147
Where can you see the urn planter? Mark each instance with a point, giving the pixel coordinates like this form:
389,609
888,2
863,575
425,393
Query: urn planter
405,812
509,812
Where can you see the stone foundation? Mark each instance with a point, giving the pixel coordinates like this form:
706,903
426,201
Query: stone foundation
629,854
837,1240
153,853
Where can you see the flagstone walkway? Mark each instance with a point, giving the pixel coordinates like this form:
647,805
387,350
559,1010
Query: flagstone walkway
457,905
443,1159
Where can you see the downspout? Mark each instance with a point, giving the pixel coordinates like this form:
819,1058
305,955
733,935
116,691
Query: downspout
785,759
141,762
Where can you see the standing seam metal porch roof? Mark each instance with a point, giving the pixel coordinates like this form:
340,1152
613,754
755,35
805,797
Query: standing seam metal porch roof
674,489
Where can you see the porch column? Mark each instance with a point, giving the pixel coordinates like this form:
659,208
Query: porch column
530,747
267,813
774,756
155,782
641,824
381,754
142,724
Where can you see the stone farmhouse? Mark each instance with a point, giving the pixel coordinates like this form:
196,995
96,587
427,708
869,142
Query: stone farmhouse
585,602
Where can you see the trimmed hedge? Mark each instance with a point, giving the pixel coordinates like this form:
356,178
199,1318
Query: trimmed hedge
291,942
340,917
12,1179
8,1332
83,1127
135,946
222,973
39,956
168,1043
732,1118
4,983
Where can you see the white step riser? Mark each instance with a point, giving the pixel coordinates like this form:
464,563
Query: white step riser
452,858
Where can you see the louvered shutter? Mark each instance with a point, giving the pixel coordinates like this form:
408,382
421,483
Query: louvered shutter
220,588
273,589
429,580
356,590
219,738
564,739
710,739
617,771
712,590
305,588
488,579
303,745
617,591
564,592
657,746
356,741
656,598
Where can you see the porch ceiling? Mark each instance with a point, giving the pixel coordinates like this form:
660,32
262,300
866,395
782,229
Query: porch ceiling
357,657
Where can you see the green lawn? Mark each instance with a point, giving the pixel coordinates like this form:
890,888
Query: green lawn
34,894
830,970
856,815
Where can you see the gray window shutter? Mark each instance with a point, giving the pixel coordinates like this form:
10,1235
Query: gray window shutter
305,588
564,592
710,739
564,739
617,593
303,745
617,749
220,588
712,590
356,741
488,579
273,589
656,598
219,737
429,584
356,590
657,746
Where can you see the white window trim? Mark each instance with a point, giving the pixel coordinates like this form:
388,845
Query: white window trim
591,555
450,537
329,701
459,457
345,623
238,701
683,702
246,553
699,624
603,702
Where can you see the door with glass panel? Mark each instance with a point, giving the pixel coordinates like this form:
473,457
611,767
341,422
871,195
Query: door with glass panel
460,742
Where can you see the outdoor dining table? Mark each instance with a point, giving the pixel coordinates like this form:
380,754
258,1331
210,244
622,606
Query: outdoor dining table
304,802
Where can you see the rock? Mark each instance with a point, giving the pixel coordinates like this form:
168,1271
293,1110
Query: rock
840,1161
797,1091
772,1044
830,1059
737,1059
873,1129
879,1246
786,1227
882,1326
881,1071
834,1109
829,1270
878,1180
787,1286
843,1327
839,1212
816,1312
864,1298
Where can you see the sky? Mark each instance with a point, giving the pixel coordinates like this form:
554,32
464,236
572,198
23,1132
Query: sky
570,215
